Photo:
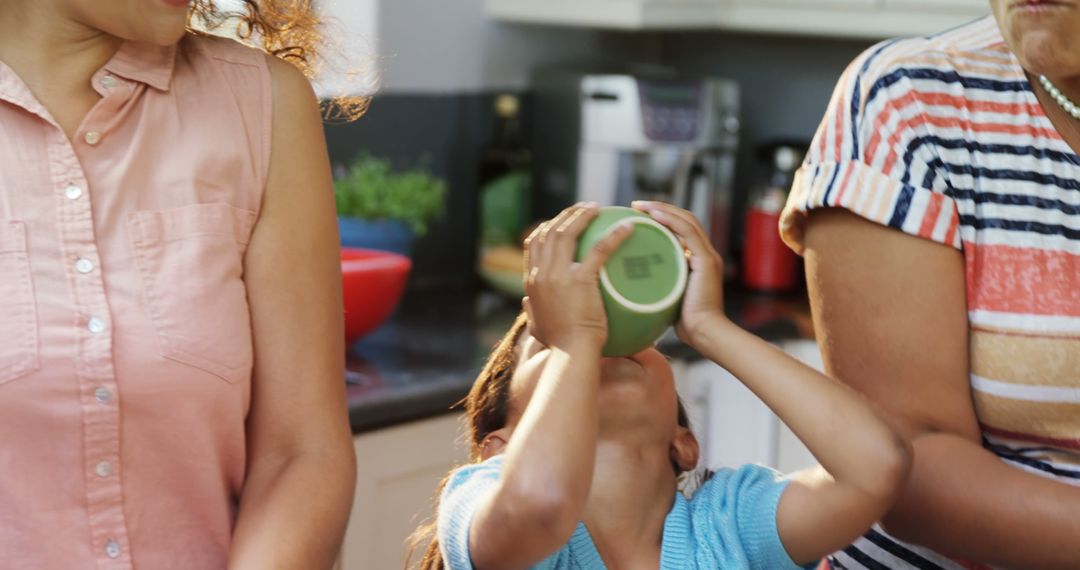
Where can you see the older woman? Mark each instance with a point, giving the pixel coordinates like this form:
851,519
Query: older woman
939,214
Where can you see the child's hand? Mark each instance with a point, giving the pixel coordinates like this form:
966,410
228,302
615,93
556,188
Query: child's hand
562,296
704,300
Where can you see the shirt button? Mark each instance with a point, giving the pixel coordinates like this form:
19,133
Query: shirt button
103,469
93,137
108,82
95,325
73,192
112,549
102,395
83,265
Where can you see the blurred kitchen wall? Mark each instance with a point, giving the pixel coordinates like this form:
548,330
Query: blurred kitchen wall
786,84
440,63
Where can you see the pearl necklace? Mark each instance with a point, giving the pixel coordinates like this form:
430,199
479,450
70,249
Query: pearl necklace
1065,103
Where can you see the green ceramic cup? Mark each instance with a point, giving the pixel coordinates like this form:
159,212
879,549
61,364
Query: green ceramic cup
643,282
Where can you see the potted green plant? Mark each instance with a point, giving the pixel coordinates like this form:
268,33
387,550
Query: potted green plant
380,208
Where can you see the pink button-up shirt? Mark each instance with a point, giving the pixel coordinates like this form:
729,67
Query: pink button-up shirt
125,335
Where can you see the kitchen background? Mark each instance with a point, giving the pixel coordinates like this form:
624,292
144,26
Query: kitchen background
443,63
441,66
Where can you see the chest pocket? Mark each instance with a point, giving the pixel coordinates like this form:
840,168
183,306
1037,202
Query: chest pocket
18,317
191,263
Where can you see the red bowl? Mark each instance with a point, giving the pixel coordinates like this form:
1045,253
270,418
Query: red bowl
373,282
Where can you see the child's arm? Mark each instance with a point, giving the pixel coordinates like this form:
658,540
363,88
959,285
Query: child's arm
548,464
865,462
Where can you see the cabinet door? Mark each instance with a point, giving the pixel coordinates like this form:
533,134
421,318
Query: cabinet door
397,471
732,425
791,454
738,428
831,4
973,7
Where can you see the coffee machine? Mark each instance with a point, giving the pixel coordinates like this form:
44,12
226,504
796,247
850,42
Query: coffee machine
649,134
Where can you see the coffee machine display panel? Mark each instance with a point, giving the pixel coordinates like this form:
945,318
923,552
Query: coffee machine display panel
616,138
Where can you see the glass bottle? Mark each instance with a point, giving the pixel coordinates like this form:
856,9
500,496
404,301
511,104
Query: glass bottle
768,263
504,199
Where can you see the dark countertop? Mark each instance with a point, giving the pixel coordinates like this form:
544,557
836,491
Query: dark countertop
424,360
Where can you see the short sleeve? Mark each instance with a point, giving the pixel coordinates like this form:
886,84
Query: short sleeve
876,152
465,491
740,506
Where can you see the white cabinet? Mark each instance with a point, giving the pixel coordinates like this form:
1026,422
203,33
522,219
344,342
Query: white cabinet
835,18
397,471
830,4
732,425
353,67
791,454
615,14
944,6
850,18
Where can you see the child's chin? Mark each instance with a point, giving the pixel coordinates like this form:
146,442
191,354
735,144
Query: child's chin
621,370
620,422
627,398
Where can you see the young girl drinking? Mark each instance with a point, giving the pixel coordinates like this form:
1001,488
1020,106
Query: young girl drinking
577,456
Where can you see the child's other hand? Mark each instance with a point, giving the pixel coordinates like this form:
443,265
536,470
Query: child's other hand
704,300
563,296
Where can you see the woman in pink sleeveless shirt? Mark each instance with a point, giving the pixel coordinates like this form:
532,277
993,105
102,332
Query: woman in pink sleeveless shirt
171,392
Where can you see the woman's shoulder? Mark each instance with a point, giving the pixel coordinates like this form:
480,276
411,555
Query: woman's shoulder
205,48
973,49
241,66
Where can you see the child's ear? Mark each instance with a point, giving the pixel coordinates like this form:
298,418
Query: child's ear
685,451
494,444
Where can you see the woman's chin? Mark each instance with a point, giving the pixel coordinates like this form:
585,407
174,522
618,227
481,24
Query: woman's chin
1046,51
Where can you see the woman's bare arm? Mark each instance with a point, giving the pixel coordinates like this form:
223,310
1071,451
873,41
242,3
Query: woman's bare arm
301,465
891,317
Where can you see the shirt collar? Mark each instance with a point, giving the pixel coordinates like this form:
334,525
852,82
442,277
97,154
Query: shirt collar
145,63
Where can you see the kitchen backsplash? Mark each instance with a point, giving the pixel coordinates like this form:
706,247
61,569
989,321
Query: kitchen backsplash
445,132
786,83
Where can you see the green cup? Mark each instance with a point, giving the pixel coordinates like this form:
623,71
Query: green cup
643,282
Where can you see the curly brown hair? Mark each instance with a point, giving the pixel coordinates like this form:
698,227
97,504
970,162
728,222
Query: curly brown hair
290,30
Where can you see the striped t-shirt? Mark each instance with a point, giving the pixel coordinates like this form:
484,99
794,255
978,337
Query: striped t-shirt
944,139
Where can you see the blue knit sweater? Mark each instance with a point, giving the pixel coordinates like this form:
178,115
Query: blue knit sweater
730,522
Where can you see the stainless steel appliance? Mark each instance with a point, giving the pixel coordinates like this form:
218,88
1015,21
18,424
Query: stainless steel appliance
617,137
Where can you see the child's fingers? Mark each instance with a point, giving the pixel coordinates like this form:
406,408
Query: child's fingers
564,239
526,306
607,245
536,259
549,239
682,223
689,218
532,245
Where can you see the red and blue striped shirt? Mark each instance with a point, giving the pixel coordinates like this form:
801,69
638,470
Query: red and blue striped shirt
943,138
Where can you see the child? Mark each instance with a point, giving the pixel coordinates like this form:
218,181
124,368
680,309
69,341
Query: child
577,456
